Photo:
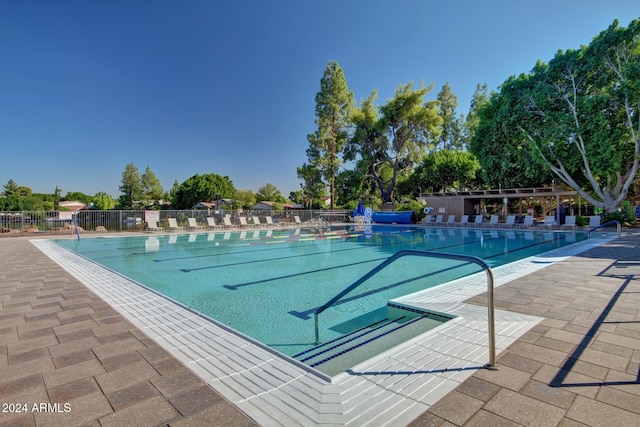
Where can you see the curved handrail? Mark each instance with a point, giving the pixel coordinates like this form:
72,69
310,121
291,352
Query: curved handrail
429,254
615,221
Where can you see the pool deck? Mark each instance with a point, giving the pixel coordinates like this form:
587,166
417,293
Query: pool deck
568,340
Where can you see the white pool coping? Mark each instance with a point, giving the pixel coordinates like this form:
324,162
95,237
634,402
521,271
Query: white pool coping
392,388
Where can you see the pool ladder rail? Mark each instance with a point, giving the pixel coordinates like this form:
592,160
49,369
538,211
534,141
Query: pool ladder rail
428,254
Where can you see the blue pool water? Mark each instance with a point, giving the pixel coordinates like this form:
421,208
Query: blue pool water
259,282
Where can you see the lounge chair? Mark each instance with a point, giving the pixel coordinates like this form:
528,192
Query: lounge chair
152,225
569,222
296,220
438,219
479,220
173,225
243,222
270,222
451,219
227,222
256,222
493,222
211,223
193,225
594,221
464,221
528,221
549,221
511,221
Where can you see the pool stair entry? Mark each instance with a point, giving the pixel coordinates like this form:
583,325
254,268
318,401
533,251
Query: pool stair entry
399,325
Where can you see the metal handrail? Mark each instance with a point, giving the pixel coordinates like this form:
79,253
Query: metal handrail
615,221
429,254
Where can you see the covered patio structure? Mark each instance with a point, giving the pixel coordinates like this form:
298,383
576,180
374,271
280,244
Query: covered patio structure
476,202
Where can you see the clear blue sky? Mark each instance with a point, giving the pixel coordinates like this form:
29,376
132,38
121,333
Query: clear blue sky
228,87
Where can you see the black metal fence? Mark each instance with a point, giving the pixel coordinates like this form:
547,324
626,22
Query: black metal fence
28,223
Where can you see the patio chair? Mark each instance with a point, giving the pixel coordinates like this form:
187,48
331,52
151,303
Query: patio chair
243,222
438,219
549,221
478,220
227,222
569,222
256,222
173,225
269,221
528,221
511,221
493,221
211,223
152,225
193,225
451,219
464,220
296,220
594,221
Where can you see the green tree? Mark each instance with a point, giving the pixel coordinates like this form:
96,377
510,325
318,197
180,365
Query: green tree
10,188
579,115
78,196
103,201
334,104
450,135
245,198
469,124
312,186
271,193
151,187
200,188
396,138
448,170
131,187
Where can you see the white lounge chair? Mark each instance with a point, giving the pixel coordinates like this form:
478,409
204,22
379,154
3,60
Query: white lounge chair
493,221
227,222
296,220
479,220
256,221
211,223
464,221
569,222
511,221
193,225
528,221
594,221
152,225
438,219
243,222
451,219
270,222
173,225
549,221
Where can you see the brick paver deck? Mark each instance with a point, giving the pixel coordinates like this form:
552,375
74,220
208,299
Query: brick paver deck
63,347
81,363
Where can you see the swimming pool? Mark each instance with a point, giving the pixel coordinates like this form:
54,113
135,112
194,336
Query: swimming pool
265,283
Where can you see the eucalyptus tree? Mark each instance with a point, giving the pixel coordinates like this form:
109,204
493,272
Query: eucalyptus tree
577,115
334,104
394,135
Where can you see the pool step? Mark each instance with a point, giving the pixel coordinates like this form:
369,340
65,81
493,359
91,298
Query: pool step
342,353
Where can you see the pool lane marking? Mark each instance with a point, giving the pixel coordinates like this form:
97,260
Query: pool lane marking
288,276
